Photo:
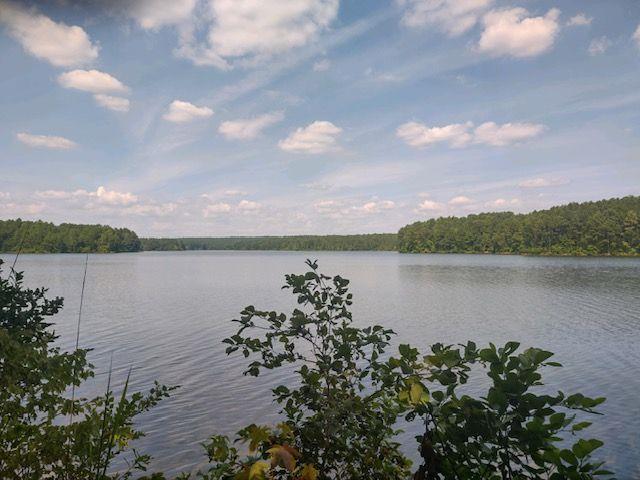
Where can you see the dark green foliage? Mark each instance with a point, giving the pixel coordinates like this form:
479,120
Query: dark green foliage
45,237
341,410
373,241
44,433
511,432
606,227
338,418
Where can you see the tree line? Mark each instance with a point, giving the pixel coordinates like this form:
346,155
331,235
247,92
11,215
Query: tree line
45,237
605,227
373,241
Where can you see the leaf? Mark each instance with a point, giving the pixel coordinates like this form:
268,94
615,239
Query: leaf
309,472
283,455
259,470
417,394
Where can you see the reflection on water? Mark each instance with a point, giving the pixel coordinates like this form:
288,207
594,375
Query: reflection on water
166,313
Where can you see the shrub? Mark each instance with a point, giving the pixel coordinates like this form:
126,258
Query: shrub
43,433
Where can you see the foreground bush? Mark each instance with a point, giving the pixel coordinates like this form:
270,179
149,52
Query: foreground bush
340,415
43,432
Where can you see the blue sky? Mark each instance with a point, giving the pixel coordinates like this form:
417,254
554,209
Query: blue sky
243,117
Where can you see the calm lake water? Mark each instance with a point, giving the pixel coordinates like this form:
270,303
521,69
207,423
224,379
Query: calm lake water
165,314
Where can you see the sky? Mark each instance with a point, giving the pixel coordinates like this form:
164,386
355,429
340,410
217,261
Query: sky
254,117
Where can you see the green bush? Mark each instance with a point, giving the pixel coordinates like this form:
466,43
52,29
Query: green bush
43,432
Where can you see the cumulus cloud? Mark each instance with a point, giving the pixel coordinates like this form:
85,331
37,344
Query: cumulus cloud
636,36
598,46
248,128
490,133
460,135
59,44
249,31
117,104
151,209
248,206
513,32
344,209
322,65
579,20
453,17
459,201
318,137
154,14
541,182
46,141
215,209
429,206
183,112
419,135
101,195
93,81
502,203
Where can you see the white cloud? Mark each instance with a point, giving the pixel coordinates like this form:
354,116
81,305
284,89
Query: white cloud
61,45
579,20
154,14
429,206
317,137
598,46
101,194
502,202
157,210
419,135
636,36
46,141
248,206
245,129
490,133
21,209
322,65
250,31
341,209
459,135
93,81
377,206
5,195
541,182
453,17
513,33
460,200
117,104
182,112
215,209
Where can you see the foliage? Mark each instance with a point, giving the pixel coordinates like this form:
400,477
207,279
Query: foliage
339,418
606,227
43,433
512,432
373,241
45,237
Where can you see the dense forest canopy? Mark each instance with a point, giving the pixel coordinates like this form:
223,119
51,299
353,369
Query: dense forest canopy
373,241
606,227
45,237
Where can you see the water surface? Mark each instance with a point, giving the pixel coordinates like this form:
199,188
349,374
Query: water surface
165,313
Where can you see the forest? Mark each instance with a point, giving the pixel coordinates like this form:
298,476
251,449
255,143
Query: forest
45,237
373,241
605,227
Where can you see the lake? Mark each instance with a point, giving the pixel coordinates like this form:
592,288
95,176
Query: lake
164,314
